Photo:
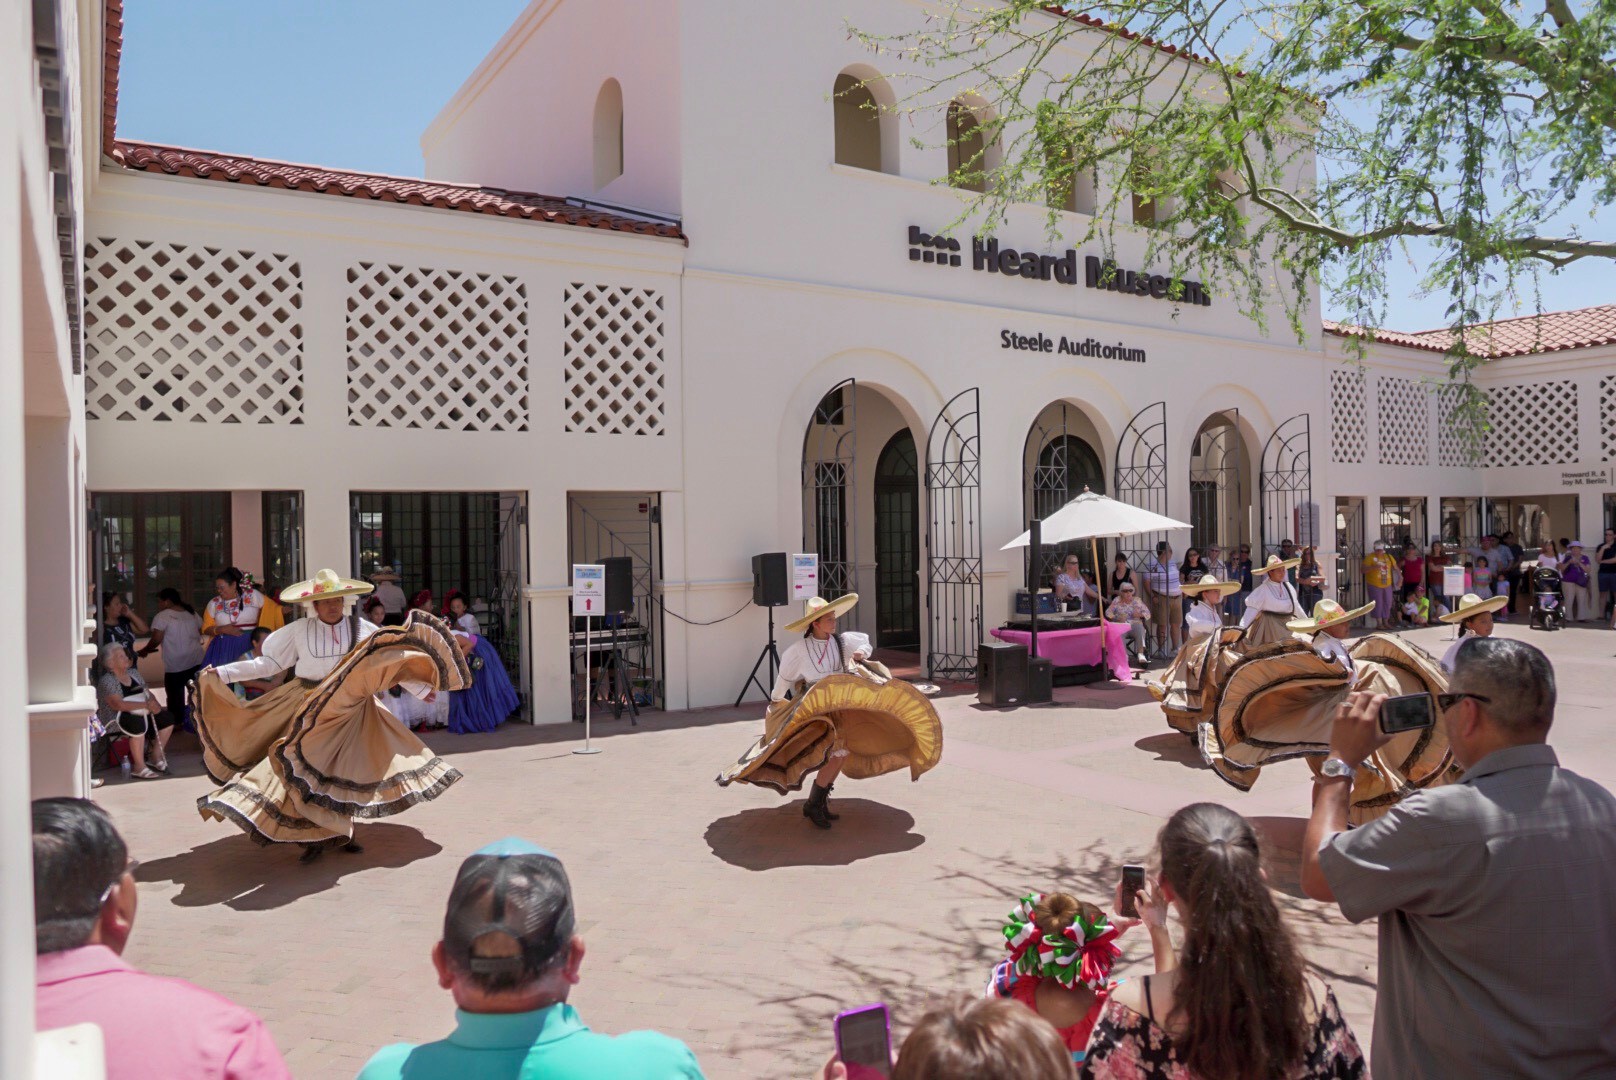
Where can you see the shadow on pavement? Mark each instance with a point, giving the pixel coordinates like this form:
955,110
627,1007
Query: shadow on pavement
239,874
769,838
1173,746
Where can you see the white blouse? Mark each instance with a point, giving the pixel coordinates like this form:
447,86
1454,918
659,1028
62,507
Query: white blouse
1278,597
810,660
1203,619
242,611
468,624
310,647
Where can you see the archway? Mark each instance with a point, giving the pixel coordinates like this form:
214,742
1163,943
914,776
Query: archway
1220,484
897,544
1060,458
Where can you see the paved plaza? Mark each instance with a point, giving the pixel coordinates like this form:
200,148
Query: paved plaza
720,916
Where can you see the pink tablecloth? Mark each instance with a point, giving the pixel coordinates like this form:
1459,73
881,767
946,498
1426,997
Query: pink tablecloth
1071,648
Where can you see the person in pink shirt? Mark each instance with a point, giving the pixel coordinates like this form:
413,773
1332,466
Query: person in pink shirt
84,909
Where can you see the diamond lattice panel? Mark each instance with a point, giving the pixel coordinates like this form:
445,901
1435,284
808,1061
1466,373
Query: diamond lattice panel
184,332
440,349
614,360
1607,415
1456,442
1347,416
1402,409
1532,424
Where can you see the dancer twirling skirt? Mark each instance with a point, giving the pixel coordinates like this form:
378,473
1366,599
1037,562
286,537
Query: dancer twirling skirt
1271,604
1279,701
301,763
1187,690
846,715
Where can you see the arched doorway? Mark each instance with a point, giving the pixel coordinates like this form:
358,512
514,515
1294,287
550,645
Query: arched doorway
897,544
1220,485
1060,459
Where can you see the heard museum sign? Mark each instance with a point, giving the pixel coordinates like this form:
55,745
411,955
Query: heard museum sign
1097,273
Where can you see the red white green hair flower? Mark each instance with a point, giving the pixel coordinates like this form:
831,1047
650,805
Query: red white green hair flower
1082,953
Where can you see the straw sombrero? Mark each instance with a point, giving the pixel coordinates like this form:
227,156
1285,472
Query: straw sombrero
817,608
1211,583
1327,613
1471,604
325,585
1276,563
385,573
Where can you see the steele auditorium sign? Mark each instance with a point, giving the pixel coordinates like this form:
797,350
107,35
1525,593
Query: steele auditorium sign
987,255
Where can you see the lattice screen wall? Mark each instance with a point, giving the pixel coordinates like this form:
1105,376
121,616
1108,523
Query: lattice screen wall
1607,415
185,332
1402,408
440,349
1347,407
1532,424
1457,441
614,365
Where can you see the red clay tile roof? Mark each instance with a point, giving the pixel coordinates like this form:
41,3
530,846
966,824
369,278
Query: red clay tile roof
1550,332
111,63
237,169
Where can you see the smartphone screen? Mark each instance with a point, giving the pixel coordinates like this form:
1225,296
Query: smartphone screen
864,1042
1133,879
1409,712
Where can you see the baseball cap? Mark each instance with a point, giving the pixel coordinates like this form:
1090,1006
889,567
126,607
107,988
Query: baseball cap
510,913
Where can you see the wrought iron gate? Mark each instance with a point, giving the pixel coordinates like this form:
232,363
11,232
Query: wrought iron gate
506,626
1141,475
1217,484
954,538
830,492
1286,486
1349,551
1056,467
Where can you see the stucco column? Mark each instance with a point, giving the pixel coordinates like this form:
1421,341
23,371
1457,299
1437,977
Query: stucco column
247,532
54,606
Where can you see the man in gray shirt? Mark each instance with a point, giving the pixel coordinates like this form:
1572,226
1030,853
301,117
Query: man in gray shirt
1496,896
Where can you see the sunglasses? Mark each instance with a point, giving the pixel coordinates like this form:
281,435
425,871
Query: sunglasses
1445,702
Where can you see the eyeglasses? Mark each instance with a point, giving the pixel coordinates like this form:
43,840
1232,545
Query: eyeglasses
1445,702
134,864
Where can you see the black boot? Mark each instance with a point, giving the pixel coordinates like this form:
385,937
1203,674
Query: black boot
353,847
825,802
814,809
311,852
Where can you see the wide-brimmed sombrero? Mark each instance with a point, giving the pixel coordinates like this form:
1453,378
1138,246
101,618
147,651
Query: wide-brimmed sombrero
325,585
1327,613
817,608
1471,604
1211,583
1276,563
385,573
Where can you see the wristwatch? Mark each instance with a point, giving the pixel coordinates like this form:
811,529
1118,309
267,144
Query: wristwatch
1335,767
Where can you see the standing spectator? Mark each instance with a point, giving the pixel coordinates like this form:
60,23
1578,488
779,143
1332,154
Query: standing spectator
1239,570
510,955
1548,556
1413,569
1513,573
1166,592
1482,578
1309,579
177,630
1212,560
1126,607
1475,977
1378,570
1435,563
125,706
229,618
1605,563
1237,1001
119,623
1070,588
1287,551
84,911
386,580
1577,579
1190,570
1120,572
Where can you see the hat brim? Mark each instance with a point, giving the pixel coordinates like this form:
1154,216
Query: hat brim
1283,564
385,577
1496,603
838,607
1222,588
303,592
1303,626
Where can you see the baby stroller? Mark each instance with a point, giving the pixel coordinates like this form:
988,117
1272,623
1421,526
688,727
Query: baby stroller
1548,599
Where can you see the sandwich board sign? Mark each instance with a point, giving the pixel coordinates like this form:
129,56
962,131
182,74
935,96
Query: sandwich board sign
588,589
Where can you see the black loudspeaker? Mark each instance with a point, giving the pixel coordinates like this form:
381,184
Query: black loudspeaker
1001,674
619,583
1040,680
769,585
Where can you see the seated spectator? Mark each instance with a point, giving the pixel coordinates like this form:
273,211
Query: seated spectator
1071,588
1417,606
1239,1003
1126,607
1496,896
976,1039
124,706
510,956
84,911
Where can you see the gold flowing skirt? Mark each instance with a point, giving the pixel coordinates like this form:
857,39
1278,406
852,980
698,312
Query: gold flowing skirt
1188,690
299,764
1279,703
1269,627
883,726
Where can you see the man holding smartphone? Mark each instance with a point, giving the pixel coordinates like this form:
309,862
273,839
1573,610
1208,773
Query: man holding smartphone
1496,896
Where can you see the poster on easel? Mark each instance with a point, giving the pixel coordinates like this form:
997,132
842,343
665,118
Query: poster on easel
804,576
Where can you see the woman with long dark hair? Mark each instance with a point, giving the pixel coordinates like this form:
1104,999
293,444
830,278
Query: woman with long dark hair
1239,1005
228,620
119,623
177,631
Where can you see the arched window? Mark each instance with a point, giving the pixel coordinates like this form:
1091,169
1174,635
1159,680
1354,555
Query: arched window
608,133
1147,206
858,124
969,156
1069,175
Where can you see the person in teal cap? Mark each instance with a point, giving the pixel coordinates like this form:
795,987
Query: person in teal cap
510,954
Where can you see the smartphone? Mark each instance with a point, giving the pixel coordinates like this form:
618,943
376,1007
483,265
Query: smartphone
1133,879
864,1041
1410,712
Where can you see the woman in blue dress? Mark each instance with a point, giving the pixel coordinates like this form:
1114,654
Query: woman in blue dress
229,618
491,698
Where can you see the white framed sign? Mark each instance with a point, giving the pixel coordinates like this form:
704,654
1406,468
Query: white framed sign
804,576
1453,581
588,589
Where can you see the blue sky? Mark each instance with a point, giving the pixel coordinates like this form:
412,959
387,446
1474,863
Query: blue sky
353,83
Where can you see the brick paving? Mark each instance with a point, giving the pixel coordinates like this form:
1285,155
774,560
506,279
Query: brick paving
719,915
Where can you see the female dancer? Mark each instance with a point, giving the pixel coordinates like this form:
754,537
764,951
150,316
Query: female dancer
228,619
491,698
1189,686
844,713
1475,618
1271,603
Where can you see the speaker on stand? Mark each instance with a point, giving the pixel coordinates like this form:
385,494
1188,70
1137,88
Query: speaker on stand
771,588
619,601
